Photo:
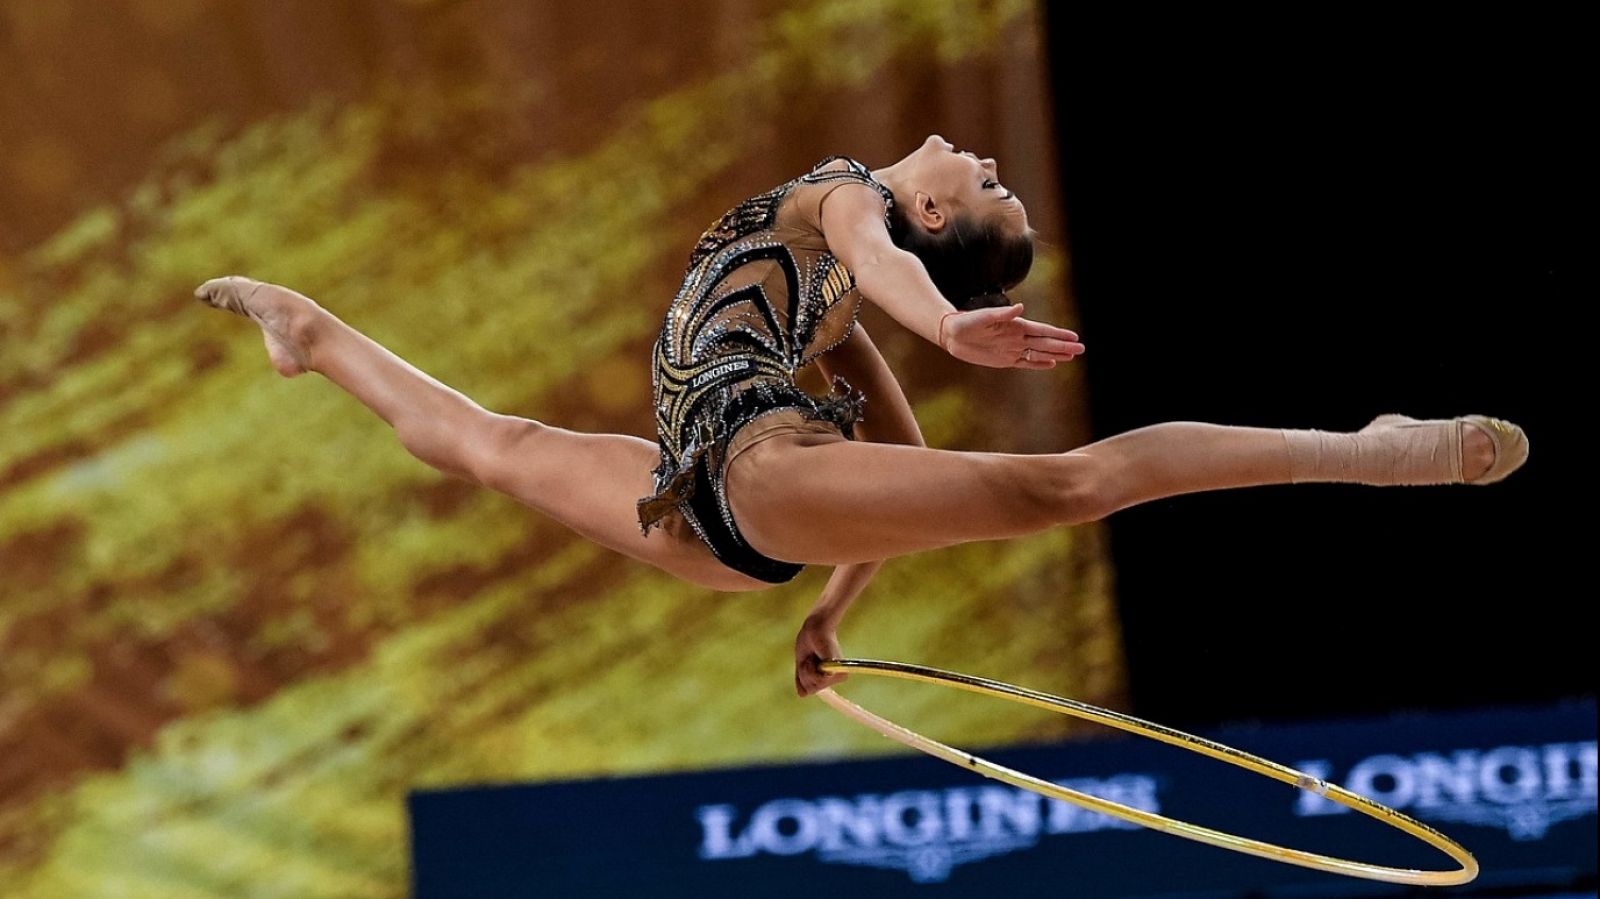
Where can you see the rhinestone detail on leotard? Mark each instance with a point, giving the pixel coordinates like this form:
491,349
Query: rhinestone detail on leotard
758,302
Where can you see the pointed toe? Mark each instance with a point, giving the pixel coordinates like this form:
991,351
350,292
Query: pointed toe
1510,447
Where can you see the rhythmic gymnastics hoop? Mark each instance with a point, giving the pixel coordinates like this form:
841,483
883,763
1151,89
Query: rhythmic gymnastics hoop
995,689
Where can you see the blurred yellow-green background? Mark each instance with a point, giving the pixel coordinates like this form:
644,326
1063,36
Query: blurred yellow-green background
237,621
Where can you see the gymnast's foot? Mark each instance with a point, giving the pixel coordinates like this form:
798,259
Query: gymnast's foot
1398,450
285,317
1486,449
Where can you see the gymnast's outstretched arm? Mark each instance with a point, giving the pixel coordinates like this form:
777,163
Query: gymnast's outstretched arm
896,282
888,419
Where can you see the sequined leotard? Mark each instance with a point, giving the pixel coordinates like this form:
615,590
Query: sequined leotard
762,298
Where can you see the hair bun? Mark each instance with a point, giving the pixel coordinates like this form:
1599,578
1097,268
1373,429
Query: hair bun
985,301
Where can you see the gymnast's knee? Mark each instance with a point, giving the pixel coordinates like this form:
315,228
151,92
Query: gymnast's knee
476,445
1076,488
500,451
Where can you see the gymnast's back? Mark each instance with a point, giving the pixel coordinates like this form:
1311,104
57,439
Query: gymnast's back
762,278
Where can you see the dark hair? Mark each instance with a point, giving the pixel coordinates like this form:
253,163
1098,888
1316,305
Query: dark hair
972,262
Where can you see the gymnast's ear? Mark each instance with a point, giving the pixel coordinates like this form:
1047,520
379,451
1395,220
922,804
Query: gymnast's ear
928,213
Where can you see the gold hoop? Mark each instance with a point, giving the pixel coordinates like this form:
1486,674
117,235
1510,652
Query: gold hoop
1465,874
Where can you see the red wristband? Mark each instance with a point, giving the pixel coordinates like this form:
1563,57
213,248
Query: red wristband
941,328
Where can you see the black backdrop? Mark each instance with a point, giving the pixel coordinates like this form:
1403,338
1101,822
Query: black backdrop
1307,227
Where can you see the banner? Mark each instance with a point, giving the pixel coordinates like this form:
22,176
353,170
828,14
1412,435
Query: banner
1516,787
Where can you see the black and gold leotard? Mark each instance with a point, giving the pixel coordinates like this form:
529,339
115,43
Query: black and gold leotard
761,299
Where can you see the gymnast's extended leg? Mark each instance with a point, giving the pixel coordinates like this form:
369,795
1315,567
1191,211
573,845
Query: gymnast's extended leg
588,482
826,500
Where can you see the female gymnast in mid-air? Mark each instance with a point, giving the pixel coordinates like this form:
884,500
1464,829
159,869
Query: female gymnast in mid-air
752,478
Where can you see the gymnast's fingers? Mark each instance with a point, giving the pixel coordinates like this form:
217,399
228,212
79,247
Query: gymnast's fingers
809,678
1055,347
824,683
1040,329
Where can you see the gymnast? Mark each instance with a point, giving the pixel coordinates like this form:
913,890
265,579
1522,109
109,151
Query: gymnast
751,478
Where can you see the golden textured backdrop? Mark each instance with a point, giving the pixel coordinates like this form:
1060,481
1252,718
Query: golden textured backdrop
237,620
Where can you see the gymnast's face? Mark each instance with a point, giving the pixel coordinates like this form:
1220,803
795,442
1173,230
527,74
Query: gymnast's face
946,182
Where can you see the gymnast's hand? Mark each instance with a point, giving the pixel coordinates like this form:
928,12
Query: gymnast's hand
999,337
815,643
